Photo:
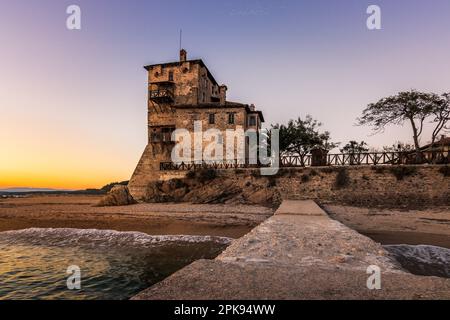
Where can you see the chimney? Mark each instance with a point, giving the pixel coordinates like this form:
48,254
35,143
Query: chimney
252,107
183,55
223,94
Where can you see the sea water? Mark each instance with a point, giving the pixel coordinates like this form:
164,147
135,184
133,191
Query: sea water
423,260
117,265
112,264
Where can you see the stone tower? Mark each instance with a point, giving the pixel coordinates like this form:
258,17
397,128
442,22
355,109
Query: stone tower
180,93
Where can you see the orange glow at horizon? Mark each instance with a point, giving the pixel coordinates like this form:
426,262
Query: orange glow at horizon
43,159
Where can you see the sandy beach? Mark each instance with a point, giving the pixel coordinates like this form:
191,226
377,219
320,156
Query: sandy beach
387,226
75,211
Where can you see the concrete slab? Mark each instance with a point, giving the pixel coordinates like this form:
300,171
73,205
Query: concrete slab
300,207
216,280
299,241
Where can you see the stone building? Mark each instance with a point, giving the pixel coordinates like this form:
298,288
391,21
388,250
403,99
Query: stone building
180,93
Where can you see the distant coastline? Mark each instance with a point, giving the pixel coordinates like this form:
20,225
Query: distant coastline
24,191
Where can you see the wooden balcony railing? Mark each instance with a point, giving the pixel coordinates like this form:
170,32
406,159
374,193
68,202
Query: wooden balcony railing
162,95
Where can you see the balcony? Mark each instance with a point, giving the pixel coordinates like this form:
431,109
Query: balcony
163,136
161,91
161,95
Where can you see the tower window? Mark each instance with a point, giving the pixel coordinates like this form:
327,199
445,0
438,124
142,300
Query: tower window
212,118
170,75
231,118
252,121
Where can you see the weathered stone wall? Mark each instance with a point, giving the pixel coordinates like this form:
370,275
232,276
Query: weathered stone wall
397,186
185,77
389,186
192,83
147,169
186,117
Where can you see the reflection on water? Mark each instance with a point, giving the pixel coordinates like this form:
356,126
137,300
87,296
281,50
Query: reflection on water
114,265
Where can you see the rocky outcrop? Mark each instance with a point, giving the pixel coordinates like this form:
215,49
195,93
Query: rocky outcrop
205,186
118,196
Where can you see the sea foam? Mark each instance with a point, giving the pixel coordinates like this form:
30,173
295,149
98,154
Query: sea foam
422,259
95,237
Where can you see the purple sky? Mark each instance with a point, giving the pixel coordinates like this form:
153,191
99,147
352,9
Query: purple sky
73,103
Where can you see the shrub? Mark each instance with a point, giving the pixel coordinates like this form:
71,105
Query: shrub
365,177
255,174
342,178
177,183
313,173
305,178
328,170
292,173
272,181
445,171
282,172
206,175
378,169
108,187
190,174
401,172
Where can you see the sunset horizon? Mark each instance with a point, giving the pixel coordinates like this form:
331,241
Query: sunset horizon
81,122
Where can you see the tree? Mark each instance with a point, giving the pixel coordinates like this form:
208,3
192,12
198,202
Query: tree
299,137
355,147
399,147
412,106
441,116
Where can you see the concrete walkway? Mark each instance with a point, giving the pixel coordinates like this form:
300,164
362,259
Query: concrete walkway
298,253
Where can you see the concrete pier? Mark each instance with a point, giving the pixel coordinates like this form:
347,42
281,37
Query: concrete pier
298,253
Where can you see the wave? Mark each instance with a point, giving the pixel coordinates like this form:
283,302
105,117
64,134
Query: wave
422,260
95,237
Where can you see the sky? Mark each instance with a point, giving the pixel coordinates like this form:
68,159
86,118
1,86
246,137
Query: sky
73,102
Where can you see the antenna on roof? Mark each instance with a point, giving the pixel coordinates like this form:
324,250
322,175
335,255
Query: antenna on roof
181,36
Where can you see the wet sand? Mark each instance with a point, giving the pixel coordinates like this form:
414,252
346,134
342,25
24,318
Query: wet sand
396,226
411,238
75,211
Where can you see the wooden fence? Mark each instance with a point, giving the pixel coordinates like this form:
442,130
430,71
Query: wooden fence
341,159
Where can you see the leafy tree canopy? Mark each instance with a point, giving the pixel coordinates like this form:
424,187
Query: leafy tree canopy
411,106
300,136
355,147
